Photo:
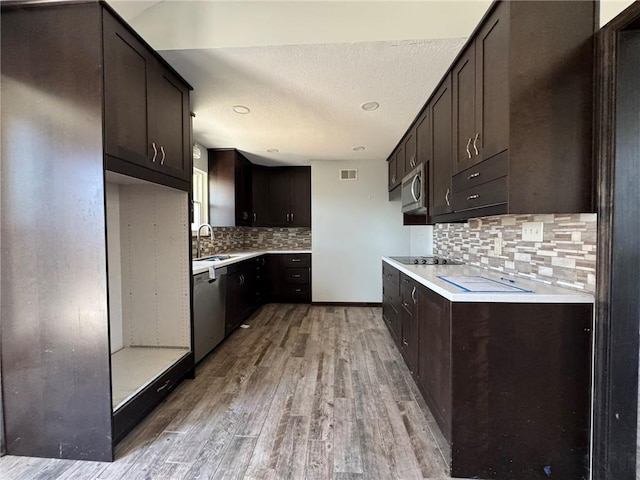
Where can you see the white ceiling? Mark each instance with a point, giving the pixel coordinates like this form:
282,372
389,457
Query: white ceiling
304,68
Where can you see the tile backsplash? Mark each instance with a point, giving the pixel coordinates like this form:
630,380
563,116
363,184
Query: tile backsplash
232,239
566,257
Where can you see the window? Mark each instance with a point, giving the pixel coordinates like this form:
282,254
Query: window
200,199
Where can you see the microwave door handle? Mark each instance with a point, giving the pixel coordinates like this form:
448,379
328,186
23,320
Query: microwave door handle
413,189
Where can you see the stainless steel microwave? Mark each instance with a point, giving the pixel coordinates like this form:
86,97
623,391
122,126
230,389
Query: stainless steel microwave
414,191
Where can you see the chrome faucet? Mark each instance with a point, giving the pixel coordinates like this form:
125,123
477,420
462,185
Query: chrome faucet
198,246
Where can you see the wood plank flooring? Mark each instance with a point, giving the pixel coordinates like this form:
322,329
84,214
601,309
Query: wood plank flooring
307,392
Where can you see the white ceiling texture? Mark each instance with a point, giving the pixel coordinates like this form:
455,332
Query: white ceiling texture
304,69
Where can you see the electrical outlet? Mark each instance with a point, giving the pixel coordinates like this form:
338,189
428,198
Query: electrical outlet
497,245
532,231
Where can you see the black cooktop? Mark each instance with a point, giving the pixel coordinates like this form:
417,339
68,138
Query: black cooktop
429,260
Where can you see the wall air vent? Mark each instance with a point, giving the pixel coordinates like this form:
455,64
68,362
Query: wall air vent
349,174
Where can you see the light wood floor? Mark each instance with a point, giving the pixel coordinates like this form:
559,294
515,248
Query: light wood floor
308,392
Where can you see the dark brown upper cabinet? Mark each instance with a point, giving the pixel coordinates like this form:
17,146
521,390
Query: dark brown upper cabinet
290,197
511,121
441,165
401,166
392,164
424,141
260,194
146,106
481,95
410,154
230,188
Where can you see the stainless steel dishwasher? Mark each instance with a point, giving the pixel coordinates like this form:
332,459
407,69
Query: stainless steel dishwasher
209,304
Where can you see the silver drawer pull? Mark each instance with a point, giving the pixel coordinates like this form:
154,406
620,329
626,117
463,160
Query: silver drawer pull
295,260
473,197
473,175
296,276
166,384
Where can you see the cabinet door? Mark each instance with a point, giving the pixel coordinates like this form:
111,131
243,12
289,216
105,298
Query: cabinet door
492,84
127,66
410,161
278,197
260,195
423,137
440,171
409,319
300,196
400,163
243,190
464,110
170,124
234,307
434,359
393,172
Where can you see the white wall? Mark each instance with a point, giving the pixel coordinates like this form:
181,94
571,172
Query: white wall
112,193
353,226
421,240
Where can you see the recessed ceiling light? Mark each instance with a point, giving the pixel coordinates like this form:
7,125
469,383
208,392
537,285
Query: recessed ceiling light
369,106
273,150
241,109
358,148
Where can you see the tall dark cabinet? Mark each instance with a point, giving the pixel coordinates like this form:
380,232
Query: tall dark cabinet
96,171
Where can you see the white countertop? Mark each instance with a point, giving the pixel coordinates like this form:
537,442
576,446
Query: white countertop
202,266
427,275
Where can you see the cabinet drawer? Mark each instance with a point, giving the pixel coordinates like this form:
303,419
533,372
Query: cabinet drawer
408,293
295,260
296,292
296,275
487,194
480,173
390,273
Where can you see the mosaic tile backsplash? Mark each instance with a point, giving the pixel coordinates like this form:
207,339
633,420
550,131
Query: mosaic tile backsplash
233,239
566,257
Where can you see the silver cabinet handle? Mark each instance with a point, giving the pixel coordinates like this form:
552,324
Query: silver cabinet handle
473,175
166,384
473,197
468,145
163,155
404,342
255,217
446,197
287,218
155,152
292,217
413,293
393,179
474,143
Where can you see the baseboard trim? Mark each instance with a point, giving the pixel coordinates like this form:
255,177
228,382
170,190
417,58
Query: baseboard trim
347,304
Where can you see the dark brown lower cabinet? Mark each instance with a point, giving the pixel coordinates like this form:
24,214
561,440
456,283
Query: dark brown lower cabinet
409,320
434,357
509,384
290,278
